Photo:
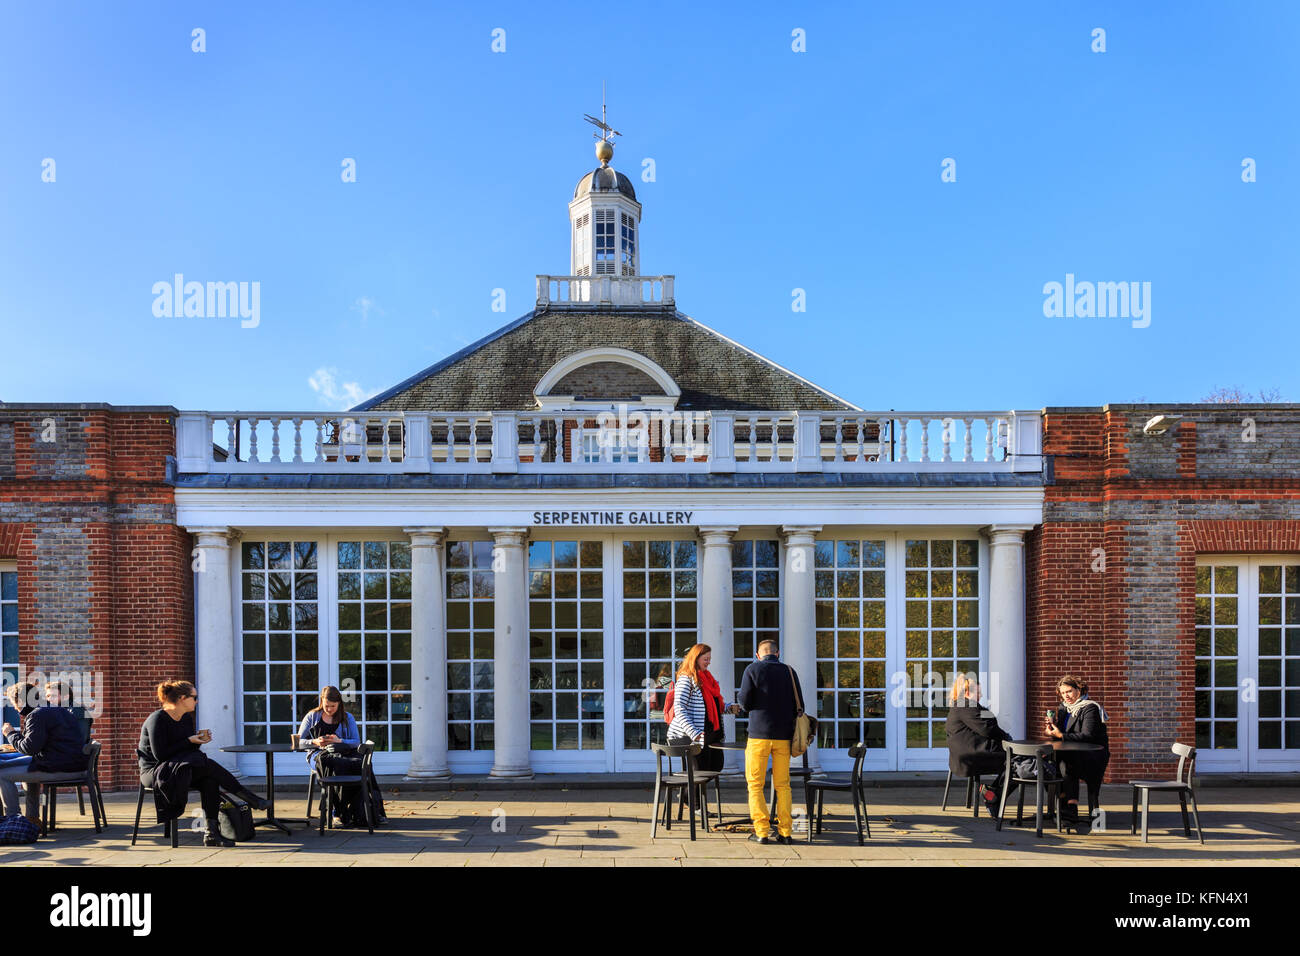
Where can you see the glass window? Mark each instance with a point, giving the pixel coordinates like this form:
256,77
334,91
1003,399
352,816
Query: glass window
374,639
659,627
471,591
852,688
280,650
9,633
941,630
756,604
566,645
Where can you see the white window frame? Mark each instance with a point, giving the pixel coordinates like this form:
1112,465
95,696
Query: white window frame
1247,757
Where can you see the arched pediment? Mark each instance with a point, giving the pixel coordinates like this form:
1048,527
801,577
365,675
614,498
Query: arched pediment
606,373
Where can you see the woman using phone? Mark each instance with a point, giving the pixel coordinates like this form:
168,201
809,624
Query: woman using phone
171,762
1083,720
329,734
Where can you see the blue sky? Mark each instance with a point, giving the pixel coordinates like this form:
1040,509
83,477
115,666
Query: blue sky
775,170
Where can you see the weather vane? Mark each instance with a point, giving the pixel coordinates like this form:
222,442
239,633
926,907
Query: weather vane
606,131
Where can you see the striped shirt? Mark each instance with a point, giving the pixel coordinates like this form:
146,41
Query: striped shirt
689,717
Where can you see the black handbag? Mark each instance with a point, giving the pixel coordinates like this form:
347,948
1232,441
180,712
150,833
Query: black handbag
235,819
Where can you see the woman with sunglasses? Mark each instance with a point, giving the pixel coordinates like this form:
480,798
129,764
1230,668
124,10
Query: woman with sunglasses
171,763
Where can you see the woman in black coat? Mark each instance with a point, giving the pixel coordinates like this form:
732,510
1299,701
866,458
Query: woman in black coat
1082,720
974,737
171,762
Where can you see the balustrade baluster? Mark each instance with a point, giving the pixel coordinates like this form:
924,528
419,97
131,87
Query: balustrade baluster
252,440
966,449
559,440
232,442
988,439
297,440
902,440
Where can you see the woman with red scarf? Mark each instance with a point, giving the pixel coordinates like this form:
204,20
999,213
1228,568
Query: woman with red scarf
698,707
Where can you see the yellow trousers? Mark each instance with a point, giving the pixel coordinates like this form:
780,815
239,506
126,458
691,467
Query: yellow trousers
756,754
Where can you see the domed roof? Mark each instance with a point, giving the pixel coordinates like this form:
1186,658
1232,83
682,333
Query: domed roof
604,179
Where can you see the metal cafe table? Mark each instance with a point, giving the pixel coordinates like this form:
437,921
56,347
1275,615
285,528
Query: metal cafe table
270,750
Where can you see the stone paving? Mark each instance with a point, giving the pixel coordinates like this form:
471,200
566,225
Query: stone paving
607,827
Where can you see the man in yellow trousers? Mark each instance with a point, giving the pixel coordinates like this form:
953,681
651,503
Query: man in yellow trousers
767,695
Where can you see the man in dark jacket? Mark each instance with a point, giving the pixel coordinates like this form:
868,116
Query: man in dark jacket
767,695
53,738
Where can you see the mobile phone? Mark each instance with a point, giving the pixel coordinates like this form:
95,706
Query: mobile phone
1050,715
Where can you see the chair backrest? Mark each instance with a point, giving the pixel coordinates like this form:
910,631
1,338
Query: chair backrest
859,753
1186,758
675,750
92,751
366,752
1027,749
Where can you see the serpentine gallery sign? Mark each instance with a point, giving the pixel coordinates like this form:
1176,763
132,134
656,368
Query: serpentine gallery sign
612,517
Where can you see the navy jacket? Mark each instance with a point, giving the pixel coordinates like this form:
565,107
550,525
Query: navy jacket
767,697
53,738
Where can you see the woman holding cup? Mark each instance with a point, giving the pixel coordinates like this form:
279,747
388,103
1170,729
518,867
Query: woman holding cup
171,762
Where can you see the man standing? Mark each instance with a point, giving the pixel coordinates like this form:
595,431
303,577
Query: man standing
767,695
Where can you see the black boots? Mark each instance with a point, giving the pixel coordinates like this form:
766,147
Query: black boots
252,799
214,837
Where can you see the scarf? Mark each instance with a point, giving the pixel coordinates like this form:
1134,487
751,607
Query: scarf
1077,708
712,694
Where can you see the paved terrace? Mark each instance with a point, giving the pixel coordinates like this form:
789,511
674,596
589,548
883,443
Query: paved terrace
1253,826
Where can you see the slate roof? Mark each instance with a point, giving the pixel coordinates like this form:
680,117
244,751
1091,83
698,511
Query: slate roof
500,371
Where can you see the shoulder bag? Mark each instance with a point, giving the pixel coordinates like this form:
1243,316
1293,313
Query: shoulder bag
805,726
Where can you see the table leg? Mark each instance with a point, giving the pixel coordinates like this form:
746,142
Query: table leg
271,819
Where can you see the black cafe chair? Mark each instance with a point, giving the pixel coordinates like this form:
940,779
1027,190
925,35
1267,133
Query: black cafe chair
170,827
692,782
1043,788
331,783
815,789
1183,785
50,782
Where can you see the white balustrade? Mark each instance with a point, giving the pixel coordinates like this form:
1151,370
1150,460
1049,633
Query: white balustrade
590,441
579,292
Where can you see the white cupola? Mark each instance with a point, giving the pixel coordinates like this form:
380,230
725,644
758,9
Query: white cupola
604,218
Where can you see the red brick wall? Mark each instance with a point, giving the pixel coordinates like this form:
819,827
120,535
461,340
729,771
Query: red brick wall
104,582
1152,505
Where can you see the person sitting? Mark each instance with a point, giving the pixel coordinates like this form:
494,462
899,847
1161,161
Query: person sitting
1082,720
12,762
330,734
59,694
974,737
50,736
171,763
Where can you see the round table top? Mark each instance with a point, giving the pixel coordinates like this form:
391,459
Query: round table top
727,745
261,749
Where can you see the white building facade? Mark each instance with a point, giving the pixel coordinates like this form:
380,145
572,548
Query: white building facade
502,559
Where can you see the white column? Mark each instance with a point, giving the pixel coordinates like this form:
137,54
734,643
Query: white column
717,623
214,652
799,643
1006,692
428,657
510,694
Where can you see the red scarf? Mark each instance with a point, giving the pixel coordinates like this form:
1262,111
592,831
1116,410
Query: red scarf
712,695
